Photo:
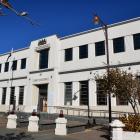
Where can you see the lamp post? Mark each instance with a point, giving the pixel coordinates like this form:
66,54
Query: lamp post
98,20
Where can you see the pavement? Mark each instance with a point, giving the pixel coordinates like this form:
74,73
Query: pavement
95,133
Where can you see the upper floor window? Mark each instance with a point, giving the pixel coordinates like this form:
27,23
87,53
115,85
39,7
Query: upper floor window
99,48
23,63
43,59
0,67
14,65
118,45
68,93
68,54
3,96
6,68
83,51
136,38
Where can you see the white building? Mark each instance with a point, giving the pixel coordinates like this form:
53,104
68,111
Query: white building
59,71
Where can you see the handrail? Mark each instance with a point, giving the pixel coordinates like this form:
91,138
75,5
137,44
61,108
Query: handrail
74,111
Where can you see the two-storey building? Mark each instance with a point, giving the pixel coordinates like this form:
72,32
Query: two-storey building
60,71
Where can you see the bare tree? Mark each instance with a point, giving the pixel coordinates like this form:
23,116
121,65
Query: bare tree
124,85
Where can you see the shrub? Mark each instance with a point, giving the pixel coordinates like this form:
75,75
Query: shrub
132,122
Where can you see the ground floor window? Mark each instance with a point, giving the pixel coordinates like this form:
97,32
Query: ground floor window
21,95
101,95
68,93
12,95
84,93
3,96
121,101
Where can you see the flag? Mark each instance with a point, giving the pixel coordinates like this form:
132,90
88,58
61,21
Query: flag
6,3
10,54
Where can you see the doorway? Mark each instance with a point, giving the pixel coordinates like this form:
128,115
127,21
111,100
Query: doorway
43,94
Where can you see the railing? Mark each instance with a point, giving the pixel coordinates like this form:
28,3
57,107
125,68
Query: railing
84,112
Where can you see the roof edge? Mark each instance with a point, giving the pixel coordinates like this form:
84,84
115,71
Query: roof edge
100,28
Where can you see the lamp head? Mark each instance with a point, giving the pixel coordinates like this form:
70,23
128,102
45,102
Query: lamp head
96,19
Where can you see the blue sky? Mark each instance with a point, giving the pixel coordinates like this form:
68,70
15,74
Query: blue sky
61,17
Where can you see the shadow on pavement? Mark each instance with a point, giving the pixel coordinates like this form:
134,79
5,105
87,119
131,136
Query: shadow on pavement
13,136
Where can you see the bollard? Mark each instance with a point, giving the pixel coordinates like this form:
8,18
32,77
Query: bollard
61,125
33,124
12,121
117,130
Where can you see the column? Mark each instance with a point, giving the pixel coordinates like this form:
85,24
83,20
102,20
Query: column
75,94
61,95
92,93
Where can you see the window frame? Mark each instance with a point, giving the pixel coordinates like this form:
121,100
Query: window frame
135,36
117,46
68,93
83,51
23,63
4,91
68,54
84,92
6,67
41,59
14,65
98,51
21,95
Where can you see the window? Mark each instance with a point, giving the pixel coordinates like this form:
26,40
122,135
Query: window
43,61
6,67
99,48
3,96
14,65
68,93
0,67
83,51
118,45
136,38
101,95
68,54
21,95
23,63
121,101
84,93
12,95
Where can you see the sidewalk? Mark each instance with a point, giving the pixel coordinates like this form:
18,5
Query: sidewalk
96,133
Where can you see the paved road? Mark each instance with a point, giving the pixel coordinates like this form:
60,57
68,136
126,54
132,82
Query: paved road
96,133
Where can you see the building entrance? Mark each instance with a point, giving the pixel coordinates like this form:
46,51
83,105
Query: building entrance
42,101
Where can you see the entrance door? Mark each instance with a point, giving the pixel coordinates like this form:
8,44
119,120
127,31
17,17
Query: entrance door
43,92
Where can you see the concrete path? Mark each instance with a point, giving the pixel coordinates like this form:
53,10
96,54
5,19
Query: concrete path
96,133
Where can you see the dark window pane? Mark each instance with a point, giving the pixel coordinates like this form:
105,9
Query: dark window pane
0,67
68,54
83,51
3,96
43,62
14,65
21,95
118,45
68,93
101,95
99,48
12,95
84,93
136,39
23,63
6,67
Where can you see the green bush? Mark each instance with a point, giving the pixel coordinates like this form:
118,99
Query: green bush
132,122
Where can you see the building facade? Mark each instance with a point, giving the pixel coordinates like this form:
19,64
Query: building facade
60,71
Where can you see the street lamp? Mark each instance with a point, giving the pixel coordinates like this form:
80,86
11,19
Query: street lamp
97,20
